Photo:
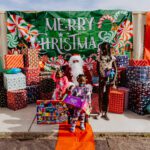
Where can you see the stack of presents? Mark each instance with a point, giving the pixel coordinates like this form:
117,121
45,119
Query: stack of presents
33,86
20,88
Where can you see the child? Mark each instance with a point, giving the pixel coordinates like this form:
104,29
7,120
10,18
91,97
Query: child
82,91
61,84
107,71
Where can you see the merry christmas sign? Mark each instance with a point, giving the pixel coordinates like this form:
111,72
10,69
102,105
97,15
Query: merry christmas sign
65,32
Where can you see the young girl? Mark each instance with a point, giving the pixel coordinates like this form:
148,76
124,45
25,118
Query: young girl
84,92
107,71
61,84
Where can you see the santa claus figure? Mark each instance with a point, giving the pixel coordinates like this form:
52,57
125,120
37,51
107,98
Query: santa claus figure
76,65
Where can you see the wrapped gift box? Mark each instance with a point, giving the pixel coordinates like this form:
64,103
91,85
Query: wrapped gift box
3,97
32,76
121,77
138,73
139,96
14,61
141,62
122,61
17,99
116,101
126,91
77,102
14,81
31,59
51,112
138,103
45,75
47,85
32,93
45,96
1,79
139,87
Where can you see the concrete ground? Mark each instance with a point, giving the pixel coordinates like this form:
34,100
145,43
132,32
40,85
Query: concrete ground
111,143
24,120
19,131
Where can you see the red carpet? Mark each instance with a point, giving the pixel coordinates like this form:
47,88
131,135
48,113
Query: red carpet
80,140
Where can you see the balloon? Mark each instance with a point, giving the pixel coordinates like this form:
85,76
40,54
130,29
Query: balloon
13,71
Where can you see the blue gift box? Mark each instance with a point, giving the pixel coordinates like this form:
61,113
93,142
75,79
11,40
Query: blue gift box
139,73
139,96
122,61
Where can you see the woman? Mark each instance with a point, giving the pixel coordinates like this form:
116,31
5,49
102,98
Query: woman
107,71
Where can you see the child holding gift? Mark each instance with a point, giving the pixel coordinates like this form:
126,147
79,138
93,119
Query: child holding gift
61,84
84,92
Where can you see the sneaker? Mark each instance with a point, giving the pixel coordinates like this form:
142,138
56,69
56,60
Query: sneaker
82,126
72,129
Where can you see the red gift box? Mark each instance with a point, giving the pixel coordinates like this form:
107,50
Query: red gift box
141,62
17,99
32,76
116,101
31,58
14,61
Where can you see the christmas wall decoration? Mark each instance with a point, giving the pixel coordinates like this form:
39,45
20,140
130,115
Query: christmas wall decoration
62,33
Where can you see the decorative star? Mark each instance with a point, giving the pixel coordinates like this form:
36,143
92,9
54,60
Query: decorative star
60,34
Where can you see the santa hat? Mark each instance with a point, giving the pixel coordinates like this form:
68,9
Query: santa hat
76,57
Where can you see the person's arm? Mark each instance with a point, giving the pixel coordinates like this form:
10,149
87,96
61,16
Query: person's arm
115,69
65,86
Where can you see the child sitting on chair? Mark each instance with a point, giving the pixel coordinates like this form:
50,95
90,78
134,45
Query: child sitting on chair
84,92
61,84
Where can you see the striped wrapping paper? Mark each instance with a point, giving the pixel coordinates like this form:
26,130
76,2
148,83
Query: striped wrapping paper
14,61
14,81
31,58
141,62
17,99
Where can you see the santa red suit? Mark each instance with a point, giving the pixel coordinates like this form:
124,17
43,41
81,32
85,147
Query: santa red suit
75,67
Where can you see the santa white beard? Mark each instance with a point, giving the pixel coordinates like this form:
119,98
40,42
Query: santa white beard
76,69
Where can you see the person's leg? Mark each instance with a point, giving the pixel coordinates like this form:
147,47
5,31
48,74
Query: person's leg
82,121
106,102
74,120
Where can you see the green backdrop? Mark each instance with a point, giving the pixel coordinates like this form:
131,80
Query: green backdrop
66,32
